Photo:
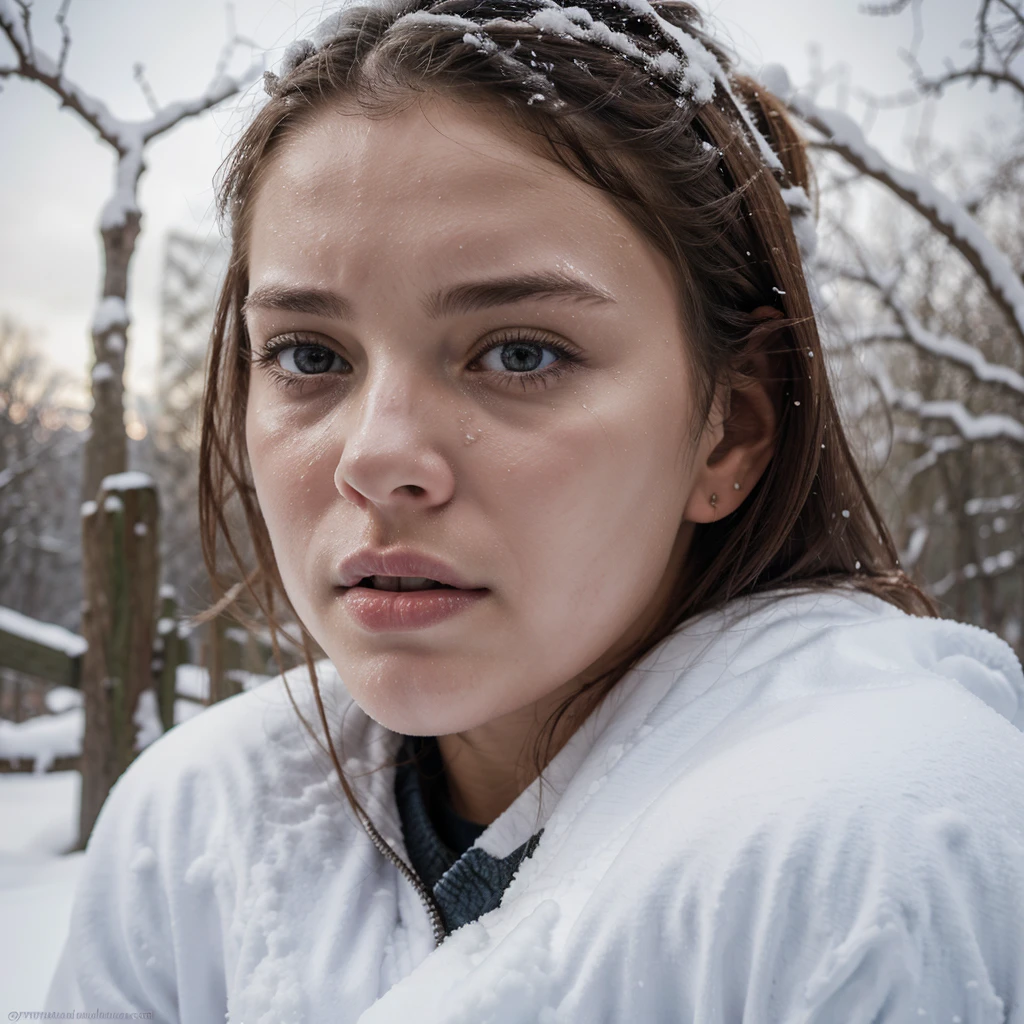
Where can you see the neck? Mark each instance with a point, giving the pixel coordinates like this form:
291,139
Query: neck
488,767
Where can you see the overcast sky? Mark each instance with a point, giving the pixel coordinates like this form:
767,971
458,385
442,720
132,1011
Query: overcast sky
55,176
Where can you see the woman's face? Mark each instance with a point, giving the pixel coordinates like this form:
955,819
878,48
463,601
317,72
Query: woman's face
462,351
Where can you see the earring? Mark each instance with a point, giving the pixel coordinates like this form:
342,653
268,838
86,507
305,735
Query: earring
713,500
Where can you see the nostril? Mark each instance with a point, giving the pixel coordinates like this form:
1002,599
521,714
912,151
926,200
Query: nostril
414,489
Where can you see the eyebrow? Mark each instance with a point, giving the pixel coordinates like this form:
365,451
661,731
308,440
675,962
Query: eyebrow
447,302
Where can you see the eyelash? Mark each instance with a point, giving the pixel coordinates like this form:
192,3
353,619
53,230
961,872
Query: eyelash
568,360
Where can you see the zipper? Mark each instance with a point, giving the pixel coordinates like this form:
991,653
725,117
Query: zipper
425,895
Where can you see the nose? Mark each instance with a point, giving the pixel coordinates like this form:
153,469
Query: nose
390,458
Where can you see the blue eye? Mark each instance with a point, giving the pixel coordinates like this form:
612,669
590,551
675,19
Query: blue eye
308,360
520,357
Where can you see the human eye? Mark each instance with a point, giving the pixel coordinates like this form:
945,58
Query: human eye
519,357
294,359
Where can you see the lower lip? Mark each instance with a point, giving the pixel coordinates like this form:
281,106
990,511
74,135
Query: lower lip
380,611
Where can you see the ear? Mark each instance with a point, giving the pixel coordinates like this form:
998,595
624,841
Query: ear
738,443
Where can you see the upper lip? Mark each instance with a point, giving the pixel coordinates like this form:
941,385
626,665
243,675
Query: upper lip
398,562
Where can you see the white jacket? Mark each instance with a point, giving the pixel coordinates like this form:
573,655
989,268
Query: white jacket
799,809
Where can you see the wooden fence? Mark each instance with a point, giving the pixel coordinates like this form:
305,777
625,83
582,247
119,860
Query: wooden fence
133,639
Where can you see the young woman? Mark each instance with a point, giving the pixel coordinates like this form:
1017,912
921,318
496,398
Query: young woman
628,713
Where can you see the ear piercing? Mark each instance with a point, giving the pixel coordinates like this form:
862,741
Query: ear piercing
713,500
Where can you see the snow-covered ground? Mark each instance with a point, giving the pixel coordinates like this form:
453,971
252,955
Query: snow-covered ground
37,881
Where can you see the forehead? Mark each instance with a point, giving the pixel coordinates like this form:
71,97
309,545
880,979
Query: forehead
440,184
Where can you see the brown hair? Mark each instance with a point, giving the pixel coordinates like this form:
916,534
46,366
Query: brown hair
691,176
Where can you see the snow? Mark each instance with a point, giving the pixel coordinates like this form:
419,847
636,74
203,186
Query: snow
942,345
44,633
112,503
133,480
44,738
949,216
915,546
62,698
989,506
692,69
102,372
983,427
147,721
40,816
111,312
993,565
123,202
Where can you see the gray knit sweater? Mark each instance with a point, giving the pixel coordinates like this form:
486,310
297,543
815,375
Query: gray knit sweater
466,881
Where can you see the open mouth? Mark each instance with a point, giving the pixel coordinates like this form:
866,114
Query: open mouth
402,583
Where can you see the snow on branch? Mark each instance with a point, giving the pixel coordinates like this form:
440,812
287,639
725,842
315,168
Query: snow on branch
910,329
994,565
984,427
31,63
841,135
127,137
936,446
993,506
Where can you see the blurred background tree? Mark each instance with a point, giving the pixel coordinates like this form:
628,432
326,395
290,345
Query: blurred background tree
920,270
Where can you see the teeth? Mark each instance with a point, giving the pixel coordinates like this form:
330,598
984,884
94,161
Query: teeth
403,583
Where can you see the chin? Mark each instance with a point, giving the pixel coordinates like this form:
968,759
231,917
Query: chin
425,706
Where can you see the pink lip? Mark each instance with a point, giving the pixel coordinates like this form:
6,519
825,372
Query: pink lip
398,562
379,611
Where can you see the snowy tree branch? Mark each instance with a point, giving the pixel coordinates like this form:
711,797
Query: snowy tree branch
841,135
994,565
32,64
985,427
221,87
124,136
910,328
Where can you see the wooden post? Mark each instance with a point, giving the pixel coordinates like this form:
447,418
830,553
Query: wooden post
120,568
223,654
169,649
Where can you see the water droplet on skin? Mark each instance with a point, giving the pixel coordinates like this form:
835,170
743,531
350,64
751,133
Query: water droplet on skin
470,438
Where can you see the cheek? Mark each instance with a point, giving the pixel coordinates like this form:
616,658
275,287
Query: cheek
293,472
594,505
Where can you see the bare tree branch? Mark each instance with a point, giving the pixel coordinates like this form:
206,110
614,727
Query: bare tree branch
139,74
61,18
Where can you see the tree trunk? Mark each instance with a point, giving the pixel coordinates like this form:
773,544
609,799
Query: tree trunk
106,449
121,569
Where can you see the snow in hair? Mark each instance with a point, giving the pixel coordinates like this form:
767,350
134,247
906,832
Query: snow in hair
692,71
